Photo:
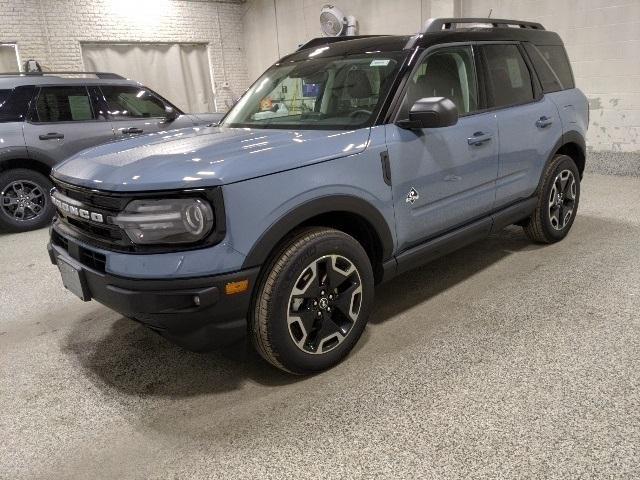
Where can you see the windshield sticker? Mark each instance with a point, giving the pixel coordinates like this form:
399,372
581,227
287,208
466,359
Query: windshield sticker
379,63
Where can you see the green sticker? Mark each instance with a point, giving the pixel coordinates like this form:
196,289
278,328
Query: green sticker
379,63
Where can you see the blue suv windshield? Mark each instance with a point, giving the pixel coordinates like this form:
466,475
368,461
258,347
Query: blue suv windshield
323,93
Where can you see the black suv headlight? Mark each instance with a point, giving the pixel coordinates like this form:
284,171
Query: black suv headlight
166,221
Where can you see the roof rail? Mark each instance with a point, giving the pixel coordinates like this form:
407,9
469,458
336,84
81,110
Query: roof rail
439,24
314,42
101,75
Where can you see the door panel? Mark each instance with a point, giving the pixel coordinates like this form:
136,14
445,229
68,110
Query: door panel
528,133
62,123
443,177
454,181
529,123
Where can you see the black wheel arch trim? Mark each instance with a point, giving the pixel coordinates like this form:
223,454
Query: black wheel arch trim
312,208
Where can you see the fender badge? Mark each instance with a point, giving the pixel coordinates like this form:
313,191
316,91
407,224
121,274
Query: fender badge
412,196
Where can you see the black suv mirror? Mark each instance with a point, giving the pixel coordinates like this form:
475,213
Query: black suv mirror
170,114
432,112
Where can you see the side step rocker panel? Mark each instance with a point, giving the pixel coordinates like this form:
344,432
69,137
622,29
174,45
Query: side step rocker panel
461,237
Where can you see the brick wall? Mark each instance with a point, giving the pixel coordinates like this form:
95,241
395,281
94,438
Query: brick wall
51,31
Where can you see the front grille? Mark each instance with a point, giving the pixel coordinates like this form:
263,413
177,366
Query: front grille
102,234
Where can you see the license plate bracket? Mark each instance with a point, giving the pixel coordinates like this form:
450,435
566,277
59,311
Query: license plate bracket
73,279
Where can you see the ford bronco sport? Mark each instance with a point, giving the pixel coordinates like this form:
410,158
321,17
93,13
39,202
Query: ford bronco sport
348,162
46,118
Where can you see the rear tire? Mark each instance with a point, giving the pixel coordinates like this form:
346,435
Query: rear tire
313,302
557,206
25,203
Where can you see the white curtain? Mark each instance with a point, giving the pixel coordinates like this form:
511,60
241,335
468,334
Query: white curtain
178,72
8,58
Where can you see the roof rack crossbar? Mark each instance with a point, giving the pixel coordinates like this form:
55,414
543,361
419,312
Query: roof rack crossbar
439,24
101,75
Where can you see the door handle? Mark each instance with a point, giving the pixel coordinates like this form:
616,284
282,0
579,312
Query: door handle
479,138
543,122
51,136
131,130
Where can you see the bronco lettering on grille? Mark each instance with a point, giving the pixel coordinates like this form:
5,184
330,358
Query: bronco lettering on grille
74,211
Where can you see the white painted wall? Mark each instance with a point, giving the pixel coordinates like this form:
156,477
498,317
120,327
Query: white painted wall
274,28
51,31
603,40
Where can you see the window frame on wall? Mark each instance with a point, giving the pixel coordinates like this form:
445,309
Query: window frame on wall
14,45
210,85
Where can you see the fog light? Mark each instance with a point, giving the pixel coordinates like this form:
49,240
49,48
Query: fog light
232,288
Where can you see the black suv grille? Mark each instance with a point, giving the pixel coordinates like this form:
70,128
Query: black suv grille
104,233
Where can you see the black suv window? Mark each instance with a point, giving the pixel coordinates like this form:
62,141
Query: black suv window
64,104
14,103
4,95
508,76
554,57
125,102
449,73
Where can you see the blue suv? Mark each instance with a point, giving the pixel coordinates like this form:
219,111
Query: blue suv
348,162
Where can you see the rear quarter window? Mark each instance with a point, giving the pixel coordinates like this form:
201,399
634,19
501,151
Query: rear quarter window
552,64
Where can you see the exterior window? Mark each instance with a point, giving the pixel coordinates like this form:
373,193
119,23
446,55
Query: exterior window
318,93
449,73
64,104
557,58
508,75
4,95
548,78
132,102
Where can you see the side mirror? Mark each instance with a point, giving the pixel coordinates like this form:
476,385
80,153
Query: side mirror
170,114
432,112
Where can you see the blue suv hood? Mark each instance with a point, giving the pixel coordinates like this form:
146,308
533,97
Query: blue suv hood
199,157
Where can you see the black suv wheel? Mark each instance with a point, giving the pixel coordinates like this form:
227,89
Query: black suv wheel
314,301
25,203
558,197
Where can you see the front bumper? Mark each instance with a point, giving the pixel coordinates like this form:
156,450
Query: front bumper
194,308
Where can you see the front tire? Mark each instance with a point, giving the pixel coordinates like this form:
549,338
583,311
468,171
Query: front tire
557,206
25,203
313,302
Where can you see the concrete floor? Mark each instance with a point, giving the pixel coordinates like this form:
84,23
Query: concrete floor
505,360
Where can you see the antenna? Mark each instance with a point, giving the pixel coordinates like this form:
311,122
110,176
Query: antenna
490,12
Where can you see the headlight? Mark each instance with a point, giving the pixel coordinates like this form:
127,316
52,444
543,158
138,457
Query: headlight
179,220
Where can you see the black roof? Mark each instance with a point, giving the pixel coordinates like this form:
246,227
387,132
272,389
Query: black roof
337,46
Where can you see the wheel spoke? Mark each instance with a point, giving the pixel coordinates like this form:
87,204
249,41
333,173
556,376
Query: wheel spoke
34,207
344,302
327,328
8,201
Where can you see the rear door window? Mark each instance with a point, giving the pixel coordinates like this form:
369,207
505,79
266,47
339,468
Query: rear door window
127,102
64,104
507,75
